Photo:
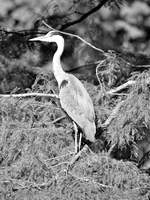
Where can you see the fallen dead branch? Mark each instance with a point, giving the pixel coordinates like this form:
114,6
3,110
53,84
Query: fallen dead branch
77,156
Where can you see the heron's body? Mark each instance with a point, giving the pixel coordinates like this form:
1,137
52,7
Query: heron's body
77,103
74,98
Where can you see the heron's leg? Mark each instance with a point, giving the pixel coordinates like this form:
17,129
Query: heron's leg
80,140
76,139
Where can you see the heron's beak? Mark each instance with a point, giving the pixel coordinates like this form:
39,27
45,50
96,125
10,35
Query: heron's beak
41,38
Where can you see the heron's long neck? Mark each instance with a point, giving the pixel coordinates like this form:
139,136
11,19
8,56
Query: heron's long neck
57,67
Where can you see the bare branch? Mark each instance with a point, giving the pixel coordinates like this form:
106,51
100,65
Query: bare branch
58,119
84,16
121,87
74,35
76,157
30,95
84,66
59,157
87,179
125,85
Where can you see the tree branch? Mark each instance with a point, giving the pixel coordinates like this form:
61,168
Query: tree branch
30,95
102,2
121,87
113,114
76,157
125,85
58,119
74,35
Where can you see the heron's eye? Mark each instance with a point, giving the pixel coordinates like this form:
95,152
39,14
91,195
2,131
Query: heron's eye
63,84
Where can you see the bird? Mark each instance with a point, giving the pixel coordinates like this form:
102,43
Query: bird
74,98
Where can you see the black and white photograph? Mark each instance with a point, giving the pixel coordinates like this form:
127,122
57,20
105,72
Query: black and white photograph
74,99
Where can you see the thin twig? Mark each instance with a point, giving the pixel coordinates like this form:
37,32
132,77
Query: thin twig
83,66
73,35
139,188
30,95
61,163
101,63
27,184
76,157
59,157
87,179
58,119
120,94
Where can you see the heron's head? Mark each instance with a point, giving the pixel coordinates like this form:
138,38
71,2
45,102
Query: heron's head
51,36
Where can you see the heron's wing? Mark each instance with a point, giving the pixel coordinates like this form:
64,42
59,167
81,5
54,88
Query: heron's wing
76,102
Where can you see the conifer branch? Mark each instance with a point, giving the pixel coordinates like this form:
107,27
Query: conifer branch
84,16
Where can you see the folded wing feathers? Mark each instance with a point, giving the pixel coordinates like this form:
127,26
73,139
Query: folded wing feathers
77,103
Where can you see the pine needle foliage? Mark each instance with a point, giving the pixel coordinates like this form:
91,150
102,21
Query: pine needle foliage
114,70
132,121
35,152
108,172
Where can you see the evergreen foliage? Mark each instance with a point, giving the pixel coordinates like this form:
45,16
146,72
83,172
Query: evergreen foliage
36,143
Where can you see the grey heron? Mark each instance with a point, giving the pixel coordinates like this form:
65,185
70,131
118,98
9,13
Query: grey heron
74,98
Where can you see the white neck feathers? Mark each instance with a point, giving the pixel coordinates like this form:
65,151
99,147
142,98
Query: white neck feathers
57,67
